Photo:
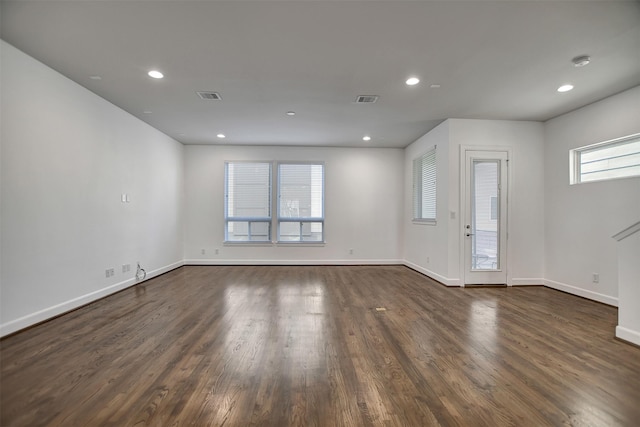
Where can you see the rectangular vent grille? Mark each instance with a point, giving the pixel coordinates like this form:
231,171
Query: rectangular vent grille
210,96
366,99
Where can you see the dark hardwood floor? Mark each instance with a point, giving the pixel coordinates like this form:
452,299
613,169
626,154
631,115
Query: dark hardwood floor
306,346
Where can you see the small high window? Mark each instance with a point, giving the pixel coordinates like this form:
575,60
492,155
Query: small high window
618,158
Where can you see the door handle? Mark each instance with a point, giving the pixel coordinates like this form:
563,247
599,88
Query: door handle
469,234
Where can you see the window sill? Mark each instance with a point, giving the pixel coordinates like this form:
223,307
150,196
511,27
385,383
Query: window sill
424,221
305,244
267,244
247,243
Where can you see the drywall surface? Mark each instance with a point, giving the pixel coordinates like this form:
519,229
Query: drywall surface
580,219
425,245
363,206
67,158
629,289
525,223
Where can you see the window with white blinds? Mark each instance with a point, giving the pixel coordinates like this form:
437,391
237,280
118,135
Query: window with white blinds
618,158
247,202
300,202
424,187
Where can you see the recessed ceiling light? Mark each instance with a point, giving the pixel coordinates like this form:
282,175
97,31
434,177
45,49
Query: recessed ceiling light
581,61
95,77
366,138
147,112
155,74
221,135
412,81
291,113
565,88
434,86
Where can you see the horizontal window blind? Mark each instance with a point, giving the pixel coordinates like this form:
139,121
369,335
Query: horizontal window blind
424,186
300,202
247,201
615,159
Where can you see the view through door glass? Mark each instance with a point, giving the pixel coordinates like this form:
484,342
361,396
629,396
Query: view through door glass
485,215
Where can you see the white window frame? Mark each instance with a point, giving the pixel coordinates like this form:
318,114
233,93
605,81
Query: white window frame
296,219
273,220
250,220
425,164
577,176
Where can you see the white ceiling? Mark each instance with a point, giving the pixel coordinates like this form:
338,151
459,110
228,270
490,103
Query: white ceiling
492,60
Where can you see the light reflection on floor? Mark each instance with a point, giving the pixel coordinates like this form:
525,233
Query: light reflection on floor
297,310
483,322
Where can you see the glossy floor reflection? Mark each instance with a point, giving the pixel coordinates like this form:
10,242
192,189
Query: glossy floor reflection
305,346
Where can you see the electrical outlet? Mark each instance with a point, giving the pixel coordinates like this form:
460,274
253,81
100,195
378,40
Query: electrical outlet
126,268
202,251
427,260
217,251
107,273
351,251
596,278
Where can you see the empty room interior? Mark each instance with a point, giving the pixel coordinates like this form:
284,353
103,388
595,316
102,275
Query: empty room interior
320,213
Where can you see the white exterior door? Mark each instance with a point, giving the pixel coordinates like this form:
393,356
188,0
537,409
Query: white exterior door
485,217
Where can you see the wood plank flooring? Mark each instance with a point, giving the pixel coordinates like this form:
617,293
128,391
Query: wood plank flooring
305,346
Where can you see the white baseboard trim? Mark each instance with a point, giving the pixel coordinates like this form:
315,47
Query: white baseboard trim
605,299
58,309
64,307
293,262
444,280
628,335
526,281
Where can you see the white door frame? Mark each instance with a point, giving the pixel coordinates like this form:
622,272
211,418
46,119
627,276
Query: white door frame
463,205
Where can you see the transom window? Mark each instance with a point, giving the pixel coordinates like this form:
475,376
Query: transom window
618,158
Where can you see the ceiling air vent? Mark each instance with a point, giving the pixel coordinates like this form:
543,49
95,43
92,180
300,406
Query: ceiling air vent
366,99
210,96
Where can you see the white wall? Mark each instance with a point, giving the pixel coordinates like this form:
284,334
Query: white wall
425,245
526,222
629,289
67,155
363,206
580,219
525,140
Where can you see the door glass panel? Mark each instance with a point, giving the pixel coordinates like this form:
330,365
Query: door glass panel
485,215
